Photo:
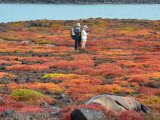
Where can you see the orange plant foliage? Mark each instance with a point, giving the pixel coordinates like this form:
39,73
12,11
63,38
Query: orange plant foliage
122,57
36,67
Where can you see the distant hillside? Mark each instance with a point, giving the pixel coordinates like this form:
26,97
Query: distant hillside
83,1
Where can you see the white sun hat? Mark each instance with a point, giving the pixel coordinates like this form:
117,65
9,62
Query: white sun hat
85,26
78,24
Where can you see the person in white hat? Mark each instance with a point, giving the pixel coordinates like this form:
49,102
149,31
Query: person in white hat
78,24
84,36
76,32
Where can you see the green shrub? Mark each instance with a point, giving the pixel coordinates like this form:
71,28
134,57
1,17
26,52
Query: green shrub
27,95
53,75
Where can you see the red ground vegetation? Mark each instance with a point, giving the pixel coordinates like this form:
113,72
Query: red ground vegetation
122,58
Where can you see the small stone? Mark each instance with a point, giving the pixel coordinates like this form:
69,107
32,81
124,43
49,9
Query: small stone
1,101
44,104
7,113
57,114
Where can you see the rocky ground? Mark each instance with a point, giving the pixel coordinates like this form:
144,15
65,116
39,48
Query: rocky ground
41,73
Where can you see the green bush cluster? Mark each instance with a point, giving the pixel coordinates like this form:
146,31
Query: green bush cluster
26,94
53,75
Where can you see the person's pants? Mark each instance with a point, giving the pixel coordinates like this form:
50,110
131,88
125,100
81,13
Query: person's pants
77,44
83,44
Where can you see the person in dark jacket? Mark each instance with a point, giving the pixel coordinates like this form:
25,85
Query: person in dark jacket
77,36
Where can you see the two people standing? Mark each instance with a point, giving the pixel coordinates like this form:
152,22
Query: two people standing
79,36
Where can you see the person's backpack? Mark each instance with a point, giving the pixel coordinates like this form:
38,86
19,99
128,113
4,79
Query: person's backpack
72,33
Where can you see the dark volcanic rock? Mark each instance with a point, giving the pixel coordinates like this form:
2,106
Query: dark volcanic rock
5,80
2,67
154,84
87,114
7,113
28,116
57,114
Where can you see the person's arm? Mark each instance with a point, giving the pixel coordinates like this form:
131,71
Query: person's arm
85,33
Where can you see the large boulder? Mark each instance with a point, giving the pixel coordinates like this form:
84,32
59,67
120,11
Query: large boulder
117,103
114,104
